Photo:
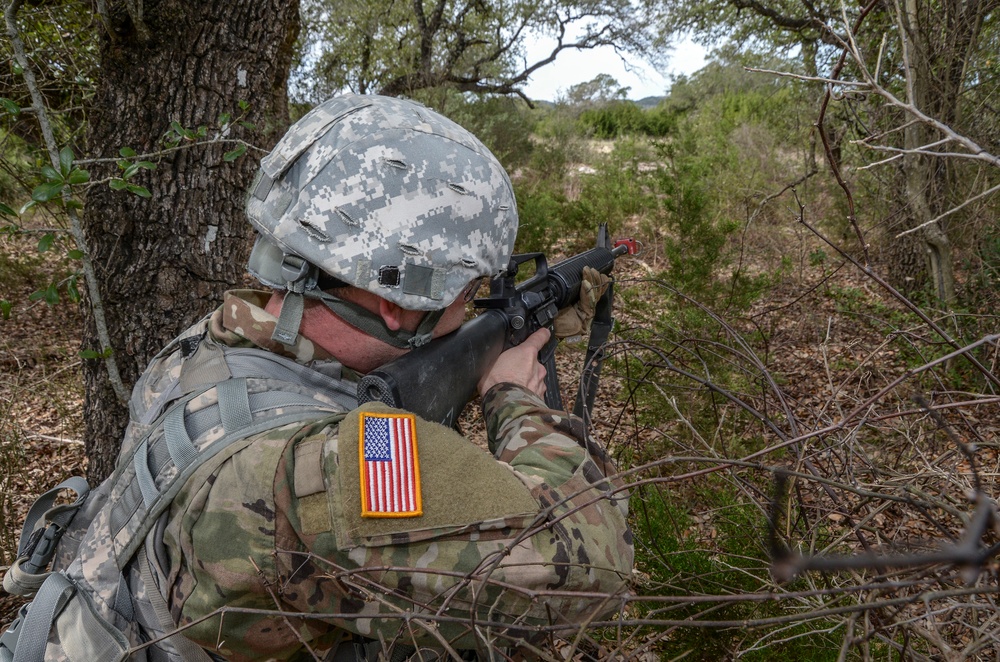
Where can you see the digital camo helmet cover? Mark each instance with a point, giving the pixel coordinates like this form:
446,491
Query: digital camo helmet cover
386,195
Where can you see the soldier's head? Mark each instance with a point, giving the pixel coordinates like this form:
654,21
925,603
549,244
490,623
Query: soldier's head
380,195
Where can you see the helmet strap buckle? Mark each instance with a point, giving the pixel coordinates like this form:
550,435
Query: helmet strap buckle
297,273
299,276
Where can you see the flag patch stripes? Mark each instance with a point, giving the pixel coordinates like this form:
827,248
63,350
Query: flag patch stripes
390,468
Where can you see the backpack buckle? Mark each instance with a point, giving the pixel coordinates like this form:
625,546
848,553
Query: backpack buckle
8,640
43,550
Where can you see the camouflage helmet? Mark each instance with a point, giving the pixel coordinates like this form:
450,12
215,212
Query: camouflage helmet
383,194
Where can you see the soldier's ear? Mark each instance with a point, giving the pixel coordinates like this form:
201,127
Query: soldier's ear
391,314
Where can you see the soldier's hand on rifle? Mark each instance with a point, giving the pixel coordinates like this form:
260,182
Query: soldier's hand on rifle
575,320
519,365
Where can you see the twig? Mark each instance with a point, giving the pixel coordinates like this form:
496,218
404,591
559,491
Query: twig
61,440
266,584
90,277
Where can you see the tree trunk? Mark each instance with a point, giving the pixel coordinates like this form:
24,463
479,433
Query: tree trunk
939,40
934,87
164,261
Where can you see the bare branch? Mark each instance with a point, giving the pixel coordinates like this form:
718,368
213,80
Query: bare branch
90,277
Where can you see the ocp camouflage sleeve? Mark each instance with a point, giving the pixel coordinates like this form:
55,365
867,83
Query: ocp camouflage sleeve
502,551
549,447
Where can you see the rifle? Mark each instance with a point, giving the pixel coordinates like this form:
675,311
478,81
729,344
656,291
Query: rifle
438,379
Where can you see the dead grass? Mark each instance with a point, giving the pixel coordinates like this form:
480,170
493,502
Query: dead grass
828,361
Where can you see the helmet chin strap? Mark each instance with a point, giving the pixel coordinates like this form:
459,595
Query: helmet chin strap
299,277
300,282
372,324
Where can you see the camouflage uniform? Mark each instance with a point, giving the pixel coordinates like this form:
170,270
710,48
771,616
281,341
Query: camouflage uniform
276,526
239,509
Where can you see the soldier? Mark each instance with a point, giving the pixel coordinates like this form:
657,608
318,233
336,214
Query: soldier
318,527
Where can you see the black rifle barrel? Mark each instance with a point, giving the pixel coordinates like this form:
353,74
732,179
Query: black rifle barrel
438,379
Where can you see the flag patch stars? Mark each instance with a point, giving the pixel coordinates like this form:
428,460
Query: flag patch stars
390,469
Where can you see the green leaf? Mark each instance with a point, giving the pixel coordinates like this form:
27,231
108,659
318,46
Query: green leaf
74,254
136,167
78,176
51,295
73,204
18,69
127,152
202,131
235,154
122,163
45,243
36,295
224,119
65,160
117,184
5,308
47,191
89,354
249,126
50,174
26,206
7,211
72,291
10,106
140,191
244,105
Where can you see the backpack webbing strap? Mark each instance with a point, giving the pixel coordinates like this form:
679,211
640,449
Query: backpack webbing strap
188,650
234,405
32,633
255,363
37,545
162,499
180,428
171,457
60,515
84,635
179,445
123,600
31,630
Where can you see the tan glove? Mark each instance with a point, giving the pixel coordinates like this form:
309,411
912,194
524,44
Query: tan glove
575,320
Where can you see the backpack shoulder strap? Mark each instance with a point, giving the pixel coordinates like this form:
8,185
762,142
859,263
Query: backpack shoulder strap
90,637
43,526
263,391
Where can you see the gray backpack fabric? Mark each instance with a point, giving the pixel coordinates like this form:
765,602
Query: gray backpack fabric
103,598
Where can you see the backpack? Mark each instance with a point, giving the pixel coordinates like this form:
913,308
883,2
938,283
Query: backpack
103,597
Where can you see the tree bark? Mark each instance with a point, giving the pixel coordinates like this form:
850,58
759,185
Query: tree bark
164,261
939,39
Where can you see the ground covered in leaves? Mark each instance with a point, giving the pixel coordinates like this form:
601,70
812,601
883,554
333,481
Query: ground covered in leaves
828,339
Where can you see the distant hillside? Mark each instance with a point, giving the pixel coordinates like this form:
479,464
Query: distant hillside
646,102
649,102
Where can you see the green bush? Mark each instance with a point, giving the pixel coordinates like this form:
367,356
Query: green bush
617,119
723,553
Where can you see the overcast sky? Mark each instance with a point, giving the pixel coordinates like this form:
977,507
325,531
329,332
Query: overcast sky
572,67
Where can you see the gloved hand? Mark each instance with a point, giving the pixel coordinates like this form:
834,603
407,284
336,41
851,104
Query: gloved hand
575,321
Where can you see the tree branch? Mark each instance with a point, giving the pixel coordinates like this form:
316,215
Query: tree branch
90,277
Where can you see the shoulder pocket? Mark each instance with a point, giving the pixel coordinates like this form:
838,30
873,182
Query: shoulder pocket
459,489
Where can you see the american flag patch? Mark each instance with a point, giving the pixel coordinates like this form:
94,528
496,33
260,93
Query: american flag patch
390,470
